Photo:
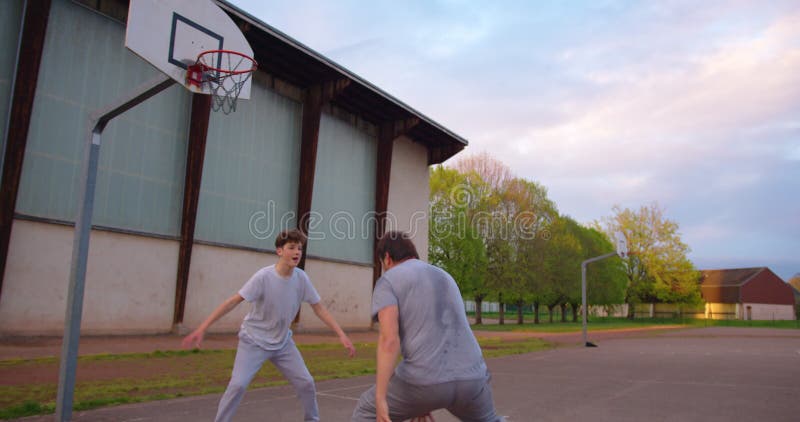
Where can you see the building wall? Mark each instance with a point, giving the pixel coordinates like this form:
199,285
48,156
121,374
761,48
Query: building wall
720,294
409,192
765,312
767,288
216,273
131,276
130,282
722,311
345,289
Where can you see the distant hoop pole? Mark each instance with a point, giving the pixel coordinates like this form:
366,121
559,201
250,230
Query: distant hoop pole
583,293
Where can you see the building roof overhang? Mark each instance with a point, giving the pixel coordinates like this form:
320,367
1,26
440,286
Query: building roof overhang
288,59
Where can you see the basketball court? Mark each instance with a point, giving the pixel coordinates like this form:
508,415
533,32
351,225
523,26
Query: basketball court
706,374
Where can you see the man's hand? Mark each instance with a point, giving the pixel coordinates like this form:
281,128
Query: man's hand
193,340
382,411
424,418
351,350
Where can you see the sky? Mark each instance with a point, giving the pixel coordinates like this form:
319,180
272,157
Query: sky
694,105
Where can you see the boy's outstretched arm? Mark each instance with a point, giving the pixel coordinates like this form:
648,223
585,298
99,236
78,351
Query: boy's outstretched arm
326,317
196,337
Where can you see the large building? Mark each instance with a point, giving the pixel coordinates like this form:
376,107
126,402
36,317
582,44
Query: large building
746,293
188,202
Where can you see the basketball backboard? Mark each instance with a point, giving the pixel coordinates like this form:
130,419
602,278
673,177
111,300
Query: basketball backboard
622,245
170,34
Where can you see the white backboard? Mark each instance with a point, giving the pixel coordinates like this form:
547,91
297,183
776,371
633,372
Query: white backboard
622,245
169,34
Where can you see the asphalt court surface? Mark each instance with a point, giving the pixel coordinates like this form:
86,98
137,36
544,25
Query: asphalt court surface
705,374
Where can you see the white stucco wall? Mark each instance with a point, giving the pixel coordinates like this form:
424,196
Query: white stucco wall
767,312
409,191
130,282
215,274
345,289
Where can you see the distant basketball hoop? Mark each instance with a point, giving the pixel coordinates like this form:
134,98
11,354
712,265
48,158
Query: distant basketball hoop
224,73
622,245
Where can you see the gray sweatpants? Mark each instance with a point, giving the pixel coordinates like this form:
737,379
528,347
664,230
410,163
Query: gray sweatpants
469,400
249,359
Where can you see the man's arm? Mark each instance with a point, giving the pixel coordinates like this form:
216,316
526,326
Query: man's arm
388,351
326,317
196,337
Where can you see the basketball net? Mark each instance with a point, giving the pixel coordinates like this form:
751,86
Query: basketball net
224,73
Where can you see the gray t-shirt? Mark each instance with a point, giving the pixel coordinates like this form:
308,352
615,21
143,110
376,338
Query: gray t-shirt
435,338
275,301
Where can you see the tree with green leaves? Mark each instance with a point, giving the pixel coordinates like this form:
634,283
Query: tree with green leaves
453,243
485,178
795,282
657,267
562,265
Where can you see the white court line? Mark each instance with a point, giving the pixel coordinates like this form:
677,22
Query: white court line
350,388
253,401
336,396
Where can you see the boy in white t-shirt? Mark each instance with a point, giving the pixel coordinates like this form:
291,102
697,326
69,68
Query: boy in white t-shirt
276,293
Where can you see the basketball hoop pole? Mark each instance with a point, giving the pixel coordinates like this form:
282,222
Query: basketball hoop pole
583,292
80,245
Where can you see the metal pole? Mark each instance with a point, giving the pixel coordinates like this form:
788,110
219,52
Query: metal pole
80,244
80,252
583,301
583,293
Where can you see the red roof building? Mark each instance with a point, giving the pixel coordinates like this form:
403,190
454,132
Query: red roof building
746,293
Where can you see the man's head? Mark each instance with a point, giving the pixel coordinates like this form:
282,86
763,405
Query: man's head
289,246
395,247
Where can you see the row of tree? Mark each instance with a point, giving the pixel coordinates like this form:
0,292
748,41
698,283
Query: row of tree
503,240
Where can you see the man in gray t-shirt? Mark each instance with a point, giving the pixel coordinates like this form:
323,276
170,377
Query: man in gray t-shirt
421,315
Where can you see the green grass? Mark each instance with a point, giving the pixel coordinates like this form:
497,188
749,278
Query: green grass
599,324
141,377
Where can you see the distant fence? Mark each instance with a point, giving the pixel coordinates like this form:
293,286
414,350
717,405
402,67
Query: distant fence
485,306
641,311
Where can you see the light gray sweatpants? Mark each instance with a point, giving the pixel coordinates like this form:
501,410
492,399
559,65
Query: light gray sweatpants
469,400
249,359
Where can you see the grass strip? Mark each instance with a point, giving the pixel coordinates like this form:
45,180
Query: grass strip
107,380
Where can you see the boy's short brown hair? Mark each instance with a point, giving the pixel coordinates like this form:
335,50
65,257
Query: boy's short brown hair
398,245
290,235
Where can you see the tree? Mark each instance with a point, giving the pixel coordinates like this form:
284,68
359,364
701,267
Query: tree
485,178
795,281
520,211
453,243
657,268
562,265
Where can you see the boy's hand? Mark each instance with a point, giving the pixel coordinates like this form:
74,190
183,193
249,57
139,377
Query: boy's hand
351,350
193,340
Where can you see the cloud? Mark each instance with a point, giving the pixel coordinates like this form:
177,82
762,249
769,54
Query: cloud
694,105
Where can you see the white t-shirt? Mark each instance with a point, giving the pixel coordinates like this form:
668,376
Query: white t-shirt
275,301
